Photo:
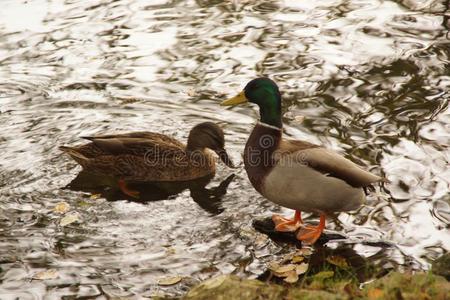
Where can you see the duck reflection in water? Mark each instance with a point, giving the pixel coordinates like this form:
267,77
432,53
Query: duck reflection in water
208,199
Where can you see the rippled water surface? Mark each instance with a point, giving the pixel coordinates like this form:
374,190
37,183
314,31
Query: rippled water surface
371,78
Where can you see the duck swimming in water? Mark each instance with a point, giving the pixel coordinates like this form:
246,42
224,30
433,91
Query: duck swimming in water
297,174
151,156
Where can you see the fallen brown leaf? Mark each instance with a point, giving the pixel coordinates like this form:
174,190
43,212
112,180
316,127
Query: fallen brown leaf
169,280
61,207
298,259
301,268
47,274
291,277
69,219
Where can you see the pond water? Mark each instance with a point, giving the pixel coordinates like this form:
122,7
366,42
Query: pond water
371,78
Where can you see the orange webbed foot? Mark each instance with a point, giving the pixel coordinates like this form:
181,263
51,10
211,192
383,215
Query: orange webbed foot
124,188
287,225
310,234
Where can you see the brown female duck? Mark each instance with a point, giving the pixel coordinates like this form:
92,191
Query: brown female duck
297,174
150,156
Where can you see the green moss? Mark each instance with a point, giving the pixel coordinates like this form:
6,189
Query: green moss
303,294
441,266
232,287
325,285
408,286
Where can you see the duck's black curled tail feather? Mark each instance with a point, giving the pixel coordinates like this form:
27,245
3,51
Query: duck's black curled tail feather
77,156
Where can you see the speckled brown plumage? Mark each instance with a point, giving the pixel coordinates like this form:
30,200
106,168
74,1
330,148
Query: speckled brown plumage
150,156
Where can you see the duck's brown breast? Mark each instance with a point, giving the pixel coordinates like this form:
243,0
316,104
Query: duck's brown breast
258,153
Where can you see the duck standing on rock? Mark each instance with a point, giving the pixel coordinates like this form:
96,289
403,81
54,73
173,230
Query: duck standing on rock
293,173
151,156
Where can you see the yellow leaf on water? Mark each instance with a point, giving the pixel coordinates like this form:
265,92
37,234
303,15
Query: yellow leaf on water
288,257
285,268
47,274
170,251
291,277
69,219
273,265
299,119
61,207
95,196
301,268
83,203
281,275
338,261
169,280
297,259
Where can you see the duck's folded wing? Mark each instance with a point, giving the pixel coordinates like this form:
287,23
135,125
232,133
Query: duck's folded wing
149,148
151,137
333,164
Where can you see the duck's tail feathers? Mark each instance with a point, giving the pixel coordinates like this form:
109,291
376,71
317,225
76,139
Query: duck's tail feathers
77,156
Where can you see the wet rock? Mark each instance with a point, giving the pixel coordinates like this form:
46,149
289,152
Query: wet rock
229,287
441,266
266,226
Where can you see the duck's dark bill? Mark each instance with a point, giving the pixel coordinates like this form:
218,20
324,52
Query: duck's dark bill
223,155
238,99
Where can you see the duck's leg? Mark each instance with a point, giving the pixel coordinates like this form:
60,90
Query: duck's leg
310,234
124,188
288,225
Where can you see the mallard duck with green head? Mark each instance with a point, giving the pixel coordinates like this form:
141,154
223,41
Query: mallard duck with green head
297,174
151,156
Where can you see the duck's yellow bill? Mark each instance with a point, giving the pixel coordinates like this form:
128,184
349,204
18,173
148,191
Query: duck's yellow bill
238,99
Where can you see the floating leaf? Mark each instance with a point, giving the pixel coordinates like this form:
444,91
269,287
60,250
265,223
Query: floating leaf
273,265
191,92
324,275
281,275
69,219
170,251
338,261
83,203
169,280
297,259
375,293
299,119
47,274
301,268
95,196
291,277
285,268
61,207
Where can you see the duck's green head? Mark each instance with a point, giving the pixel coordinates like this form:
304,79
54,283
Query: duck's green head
263,92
